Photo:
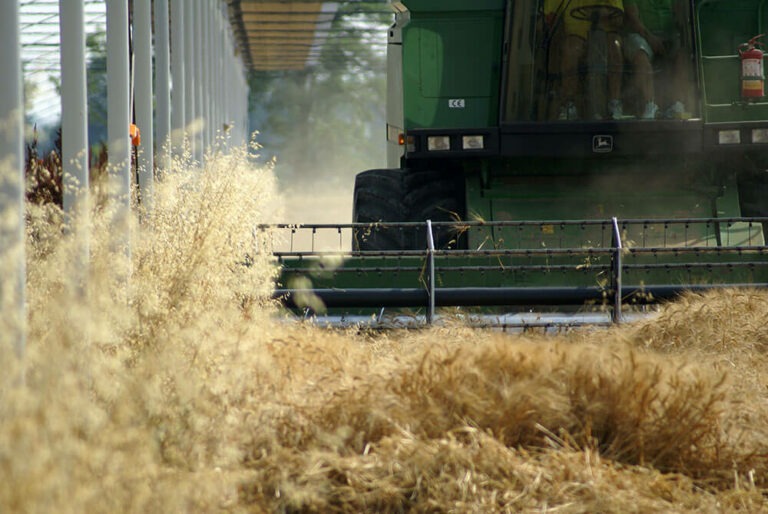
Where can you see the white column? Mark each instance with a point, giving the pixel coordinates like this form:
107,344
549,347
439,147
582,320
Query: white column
217,31
199,80
190,114
142,36
243,107
211,100
74,108
12,256
178,75
227,78
74,132
162,85
220,71
118,122
202,39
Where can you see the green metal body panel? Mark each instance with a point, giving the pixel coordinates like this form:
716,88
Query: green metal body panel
453,50
651,189
451,64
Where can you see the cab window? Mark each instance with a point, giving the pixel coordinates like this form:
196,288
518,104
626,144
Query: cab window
585,60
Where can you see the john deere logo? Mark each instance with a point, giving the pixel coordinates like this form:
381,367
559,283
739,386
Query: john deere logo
602,144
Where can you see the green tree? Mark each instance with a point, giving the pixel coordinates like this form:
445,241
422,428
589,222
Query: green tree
327,122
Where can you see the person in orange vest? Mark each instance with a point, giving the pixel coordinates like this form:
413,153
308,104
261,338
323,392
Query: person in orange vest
135,134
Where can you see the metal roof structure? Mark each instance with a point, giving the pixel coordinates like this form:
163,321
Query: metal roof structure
272,35
41,60
290,35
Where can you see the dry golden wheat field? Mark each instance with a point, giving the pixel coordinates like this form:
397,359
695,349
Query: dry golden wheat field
179,388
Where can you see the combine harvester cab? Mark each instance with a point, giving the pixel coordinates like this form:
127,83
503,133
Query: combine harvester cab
561,156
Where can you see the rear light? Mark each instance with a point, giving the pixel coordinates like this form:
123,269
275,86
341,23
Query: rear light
760,135
729,137
472,142
438,143
401,139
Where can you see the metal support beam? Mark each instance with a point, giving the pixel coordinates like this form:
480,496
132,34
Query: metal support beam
142,35
12,255
178,75
118,123
162,86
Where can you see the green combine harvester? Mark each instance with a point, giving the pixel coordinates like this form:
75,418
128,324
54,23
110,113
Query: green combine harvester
553,161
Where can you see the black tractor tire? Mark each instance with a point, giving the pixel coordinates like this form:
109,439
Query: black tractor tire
436,196
378,198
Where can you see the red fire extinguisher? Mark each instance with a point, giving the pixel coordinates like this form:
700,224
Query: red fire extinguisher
752,76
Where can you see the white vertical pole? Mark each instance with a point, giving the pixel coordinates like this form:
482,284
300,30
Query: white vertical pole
215,77
211,97
74,108
142,19
221,78
227,74
74,131
202,54
243,105
199,80
217,30
118,122
162,85
12,256
190,114
178,75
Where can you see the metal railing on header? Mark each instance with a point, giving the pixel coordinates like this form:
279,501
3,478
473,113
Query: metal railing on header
430,295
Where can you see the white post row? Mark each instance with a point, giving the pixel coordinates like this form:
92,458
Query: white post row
142,35
178,76
118,122
12,255
162,86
